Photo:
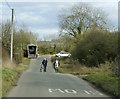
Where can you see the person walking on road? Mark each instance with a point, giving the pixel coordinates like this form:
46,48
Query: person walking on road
56,65
44,63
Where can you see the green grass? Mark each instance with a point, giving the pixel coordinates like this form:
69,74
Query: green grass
105,81
11,75
26,61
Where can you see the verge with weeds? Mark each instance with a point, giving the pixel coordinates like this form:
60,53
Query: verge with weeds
11,74
105,81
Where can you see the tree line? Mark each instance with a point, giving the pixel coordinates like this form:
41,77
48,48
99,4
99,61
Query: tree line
87,35
48,47
21,38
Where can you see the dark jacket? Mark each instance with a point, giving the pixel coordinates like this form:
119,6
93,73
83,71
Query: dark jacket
44,62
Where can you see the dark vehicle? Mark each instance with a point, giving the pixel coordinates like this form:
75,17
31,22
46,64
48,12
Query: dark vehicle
25,53
32,51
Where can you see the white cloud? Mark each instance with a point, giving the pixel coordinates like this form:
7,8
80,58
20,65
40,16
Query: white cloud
111,9
46,34
61,0
105,5
25,17
43,11
43,5
45,31
39,8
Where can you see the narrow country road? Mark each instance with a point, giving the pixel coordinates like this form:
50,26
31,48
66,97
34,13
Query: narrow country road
34,83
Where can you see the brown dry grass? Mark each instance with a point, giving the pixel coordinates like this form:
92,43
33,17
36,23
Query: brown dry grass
82,69
6,62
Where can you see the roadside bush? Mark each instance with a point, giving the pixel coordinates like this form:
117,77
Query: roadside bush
48,49
17,58
53,58
115,68
95,47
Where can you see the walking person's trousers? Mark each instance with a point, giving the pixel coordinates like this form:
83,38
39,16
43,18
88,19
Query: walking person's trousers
44,68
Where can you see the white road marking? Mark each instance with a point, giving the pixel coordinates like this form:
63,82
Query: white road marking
53,90
50,90
99,93
61,90
86,92
92,92
70,91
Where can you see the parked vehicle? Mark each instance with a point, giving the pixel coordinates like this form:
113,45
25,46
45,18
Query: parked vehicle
63,54
25,53
32,51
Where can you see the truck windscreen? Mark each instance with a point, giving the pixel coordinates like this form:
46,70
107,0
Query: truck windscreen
32,49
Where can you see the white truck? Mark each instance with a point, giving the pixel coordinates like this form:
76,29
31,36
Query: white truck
32,51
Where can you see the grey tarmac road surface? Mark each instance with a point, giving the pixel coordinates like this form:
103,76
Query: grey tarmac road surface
34,83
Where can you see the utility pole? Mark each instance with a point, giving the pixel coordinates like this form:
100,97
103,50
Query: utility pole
12,36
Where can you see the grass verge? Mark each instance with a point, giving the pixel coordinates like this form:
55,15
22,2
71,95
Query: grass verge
105,81
11,75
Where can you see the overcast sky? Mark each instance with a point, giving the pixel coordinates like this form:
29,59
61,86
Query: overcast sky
42,17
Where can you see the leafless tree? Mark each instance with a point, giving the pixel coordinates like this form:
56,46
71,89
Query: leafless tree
81,17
